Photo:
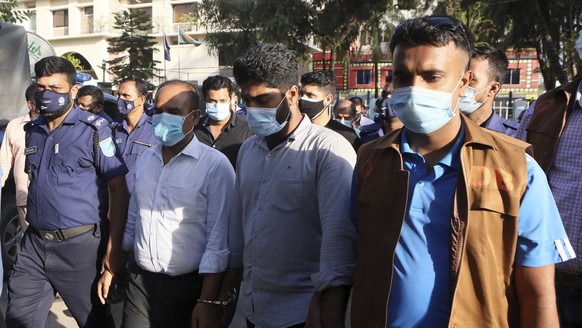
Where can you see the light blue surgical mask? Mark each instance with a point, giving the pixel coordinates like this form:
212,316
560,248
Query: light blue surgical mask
263,121
218,111
423,110
347,123
168,128
467,103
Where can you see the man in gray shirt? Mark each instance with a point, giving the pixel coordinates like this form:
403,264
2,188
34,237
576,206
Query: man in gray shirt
290,233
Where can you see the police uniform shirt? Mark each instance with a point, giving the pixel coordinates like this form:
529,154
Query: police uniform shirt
133,145
66,167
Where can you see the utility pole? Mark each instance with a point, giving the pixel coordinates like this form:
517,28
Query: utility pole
103,67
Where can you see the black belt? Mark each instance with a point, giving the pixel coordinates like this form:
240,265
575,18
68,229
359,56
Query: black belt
64,234
135,268
570,279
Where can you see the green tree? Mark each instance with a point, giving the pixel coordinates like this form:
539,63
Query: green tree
237,25
74,60
550,27
134,47
8,13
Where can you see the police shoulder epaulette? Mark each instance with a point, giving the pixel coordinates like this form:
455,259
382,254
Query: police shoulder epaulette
96,121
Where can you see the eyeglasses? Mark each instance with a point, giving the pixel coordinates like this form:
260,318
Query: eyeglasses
446,23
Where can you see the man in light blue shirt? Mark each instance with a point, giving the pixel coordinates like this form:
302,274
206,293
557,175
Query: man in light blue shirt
290,232
177,224
466,232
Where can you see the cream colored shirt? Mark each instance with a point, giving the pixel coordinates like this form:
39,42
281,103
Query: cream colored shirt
12,154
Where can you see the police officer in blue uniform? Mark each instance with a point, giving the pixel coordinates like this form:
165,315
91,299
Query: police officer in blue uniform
134,134
69,153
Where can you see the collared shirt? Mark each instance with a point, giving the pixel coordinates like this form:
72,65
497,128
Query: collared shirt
564,178
501,125
345,132
368,130
64,180
12,153
178,213
229,140
133,145
291,217
420,294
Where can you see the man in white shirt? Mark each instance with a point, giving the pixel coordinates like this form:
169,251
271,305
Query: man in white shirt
12,154
290,234
177,224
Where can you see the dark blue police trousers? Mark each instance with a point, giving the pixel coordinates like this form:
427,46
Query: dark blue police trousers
44,268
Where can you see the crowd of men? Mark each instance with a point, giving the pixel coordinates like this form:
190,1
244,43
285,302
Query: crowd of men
442,219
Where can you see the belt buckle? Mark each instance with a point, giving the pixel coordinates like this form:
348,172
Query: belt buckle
55,235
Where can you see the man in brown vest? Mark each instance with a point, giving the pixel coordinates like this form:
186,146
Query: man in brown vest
466,232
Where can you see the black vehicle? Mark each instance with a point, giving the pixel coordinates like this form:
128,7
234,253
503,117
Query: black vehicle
10,231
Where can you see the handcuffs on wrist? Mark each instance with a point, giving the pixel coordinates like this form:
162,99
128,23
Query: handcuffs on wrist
232,298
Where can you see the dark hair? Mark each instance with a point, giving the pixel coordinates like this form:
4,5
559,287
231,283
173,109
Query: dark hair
217,82
357,101
29,93
322,79
389,78
93,91
140,84
344,109
56,65
433,31
193,93
271,64
498,62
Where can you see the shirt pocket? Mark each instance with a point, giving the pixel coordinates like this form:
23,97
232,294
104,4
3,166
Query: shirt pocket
186,202
68,172
289,194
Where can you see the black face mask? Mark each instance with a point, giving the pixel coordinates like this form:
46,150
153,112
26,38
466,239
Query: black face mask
52,104
313,108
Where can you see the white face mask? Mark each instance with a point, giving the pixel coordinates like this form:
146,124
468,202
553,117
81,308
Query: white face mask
423,110
263,121
467,103
217,112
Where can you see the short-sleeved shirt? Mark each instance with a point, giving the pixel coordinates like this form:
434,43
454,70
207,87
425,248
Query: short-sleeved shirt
420,289
133,145
229,140
64,177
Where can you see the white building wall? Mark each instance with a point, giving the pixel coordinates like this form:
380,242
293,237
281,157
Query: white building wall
188,62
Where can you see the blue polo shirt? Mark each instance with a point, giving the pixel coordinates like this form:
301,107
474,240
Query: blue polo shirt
420,294
64,180
133,145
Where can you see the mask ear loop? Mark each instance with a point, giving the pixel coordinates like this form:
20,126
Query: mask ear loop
288,113
184,120
458,98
